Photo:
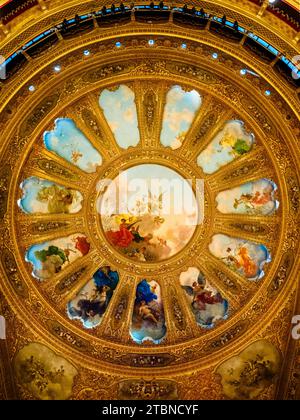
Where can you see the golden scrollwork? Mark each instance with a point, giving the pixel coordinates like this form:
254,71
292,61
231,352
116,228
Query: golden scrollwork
189,352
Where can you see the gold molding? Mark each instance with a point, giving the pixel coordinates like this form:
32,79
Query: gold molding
274,156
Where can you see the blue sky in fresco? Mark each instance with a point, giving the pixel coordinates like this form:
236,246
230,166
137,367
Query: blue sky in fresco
66,243
32,186
120,112
226,199
179,114
216,154
67,141
258,253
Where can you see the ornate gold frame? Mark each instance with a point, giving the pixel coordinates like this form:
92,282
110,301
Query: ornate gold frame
188,355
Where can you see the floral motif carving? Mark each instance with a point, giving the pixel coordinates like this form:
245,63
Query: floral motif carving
5,175
149,108
42,227
104,71
282,273
68,337
227,281
38,114
201,74
12,272
178,315
54,168
147,390
67,282
248,168
147,360
229,335
209,121
294,192
91,121
251,228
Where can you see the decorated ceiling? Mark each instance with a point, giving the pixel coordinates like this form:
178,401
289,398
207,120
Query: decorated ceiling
140,302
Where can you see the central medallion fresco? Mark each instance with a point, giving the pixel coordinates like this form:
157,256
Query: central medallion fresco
148,212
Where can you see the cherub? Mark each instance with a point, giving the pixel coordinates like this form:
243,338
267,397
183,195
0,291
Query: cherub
162,242
100,294
146,313
201,295
139,254
148,238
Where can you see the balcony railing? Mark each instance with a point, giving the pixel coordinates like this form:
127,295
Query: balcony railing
156,14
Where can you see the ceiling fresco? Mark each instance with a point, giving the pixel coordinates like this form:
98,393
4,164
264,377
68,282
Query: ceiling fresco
149,219
153,224
67,141
230,143
179,113
120,112
207,303
90,304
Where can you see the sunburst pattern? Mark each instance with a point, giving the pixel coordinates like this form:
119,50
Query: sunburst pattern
75,147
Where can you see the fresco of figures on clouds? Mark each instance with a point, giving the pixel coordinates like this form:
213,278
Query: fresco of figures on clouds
229,144
255,198
67,141
242,256
246,375
180,110
44,374
148,319
93,299
42,196
51,257
142,229
119,108
207,304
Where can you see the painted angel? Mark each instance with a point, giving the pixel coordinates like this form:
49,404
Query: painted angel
201,295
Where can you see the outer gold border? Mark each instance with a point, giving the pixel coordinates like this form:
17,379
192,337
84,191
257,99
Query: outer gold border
280,163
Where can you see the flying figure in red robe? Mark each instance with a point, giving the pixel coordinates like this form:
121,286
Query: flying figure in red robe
123,237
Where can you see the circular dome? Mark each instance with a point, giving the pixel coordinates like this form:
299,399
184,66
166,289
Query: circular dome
172,208
149,201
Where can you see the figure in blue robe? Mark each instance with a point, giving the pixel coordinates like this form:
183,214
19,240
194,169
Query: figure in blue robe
144,292
106,277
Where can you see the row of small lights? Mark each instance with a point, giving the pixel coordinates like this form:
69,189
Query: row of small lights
243,72
57,68
151,42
